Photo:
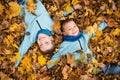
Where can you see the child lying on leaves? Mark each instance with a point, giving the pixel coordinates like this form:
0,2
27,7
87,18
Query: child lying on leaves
75,40
39,28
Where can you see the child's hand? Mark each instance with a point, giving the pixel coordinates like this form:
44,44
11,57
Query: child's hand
110,21
44,68
77,7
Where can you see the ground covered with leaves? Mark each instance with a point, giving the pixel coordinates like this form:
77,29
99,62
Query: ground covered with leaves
105,45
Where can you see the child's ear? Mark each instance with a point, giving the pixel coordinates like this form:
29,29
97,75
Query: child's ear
51,37
64,33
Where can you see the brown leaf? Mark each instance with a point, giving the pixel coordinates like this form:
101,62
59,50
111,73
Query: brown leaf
71,60
111,22
65,71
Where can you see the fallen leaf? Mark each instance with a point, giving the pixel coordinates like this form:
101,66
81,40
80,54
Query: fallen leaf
65,72
116,32
41,60
71,60
1,9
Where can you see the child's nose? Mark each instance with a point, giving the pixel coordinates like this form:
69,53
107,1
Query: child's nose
74,29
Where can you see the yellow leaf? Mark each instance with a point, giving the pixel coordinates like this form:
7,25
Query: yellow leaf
68,8
14,27
41,60
92,29
10,38
100,18
86,13
109,11
14,10
33,76
49,63
59,13
21,69
6,41
74,2
26,60
117,13
7,51
116,32
95,27
99,33
89,10
15,45
104,4
56,25
94,60
98,49
110,1
53,8
1,9
90,66
30,1
56,61
17,55
1,59
31,6
65,72
56,40
108,39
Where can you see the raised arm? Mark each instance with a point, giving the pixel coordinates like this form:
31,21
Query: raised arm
56,57
73,8
101,26
32,27
25,45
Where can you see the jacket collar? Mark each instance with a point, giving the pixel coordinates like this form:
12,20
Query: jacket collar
72,38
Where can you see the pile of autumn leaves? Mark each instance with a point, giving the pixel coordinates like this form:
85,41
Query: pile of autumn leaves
105,45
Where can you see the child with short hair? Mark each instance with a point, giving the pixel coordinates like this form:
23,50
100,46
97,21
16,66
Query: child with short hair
39,25
75,40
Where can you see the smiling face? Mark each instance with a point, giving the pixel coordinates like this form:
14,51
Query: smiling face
45,42
70,29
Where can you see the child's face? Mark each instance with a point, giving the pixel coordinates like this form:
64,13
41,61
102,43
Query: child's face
45,42
70,29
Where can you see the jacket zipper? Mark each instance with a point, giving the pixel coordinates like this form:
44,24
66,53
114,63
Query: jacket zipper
39,24
80,44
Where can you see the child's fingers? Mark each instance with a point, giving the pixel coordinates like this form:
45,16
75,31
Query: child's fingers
78,6
43,69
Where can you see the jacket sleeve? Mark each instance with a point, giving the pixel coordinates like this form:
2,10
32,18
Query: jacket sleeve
102,26
30,39
56,57
67,13
112,68
25,45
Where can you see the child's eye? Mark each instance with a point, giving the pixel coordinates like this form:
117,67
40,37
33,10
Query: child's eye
46,42
40,45
69,29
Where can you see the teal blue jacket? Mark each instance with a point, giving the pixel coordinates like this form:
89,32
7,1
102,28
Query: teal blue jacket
42,20
71,44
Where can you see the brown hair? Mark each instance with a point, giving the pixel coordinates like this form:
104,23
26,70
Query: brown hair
63,22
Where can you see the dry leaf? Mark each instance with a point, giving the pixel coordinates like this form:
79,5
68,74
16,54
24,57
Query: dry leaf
14,10
65,72
1,9
31,6
116,32
41,60
71,60
111,22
